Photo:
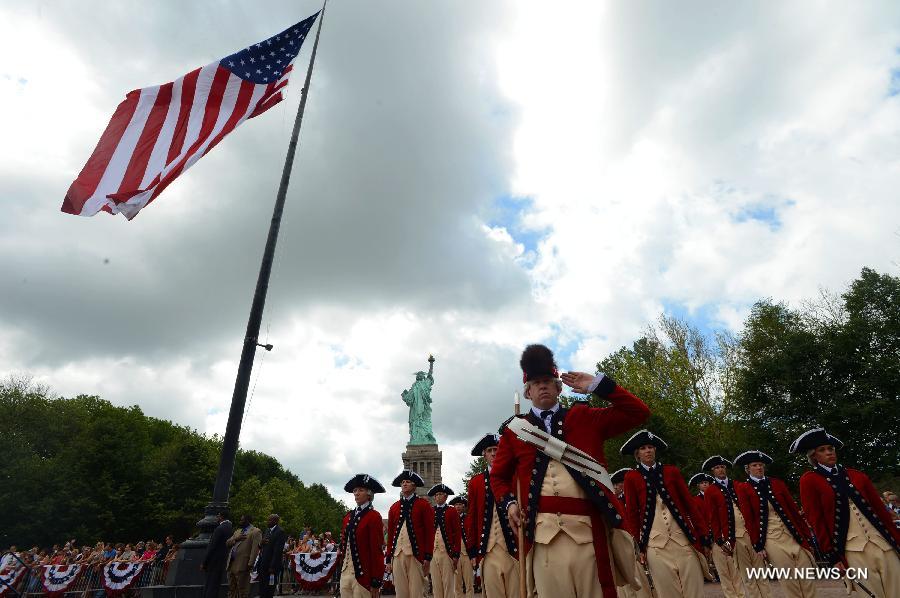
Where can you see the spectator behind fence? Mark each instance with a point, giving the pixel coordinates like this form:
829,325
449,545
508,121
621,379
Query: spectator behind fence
271,557
216,554
10,561
243,550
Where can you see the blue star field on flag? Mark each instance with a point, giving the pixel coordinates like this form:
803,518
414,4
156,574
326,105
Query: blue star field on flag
265,62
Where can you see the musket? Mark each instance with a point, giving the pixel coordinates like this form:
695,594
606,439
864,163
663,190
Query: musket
849,583
523,588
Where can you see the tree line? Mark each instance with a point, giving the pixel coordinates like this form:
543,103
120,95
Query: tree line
84,468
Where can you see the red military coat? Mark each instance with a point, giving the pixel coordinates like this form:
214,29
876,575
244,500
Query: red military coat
448,527
818,498
482,510
684,509
721,516
418,516
585,428
362,538
703,504
750,505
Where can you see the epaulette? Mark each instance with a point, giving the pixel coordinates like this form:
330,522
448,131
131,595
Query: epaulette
505,423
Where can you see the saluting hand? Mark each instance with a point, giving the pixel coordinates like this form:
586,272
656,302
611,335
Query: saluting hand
579,381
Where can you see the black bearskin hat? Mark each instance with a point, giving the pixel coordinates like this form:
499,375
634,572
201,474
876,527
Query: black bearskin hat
537,362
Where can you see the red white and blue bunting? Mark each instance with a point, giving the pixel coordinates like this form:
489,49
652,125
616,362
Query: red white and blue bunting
118,577
312,571
9,578
57,579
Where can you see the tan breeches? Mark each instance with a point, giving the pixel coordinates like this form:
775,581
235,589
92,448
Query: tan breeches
747,558
883,567
729,576
350,588
564,568
628,592
786,553
409,577
676,571
442,575
499,575
465,578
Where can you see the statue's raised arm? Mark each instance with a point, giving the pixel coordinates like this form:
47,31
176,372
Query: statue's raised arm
431,368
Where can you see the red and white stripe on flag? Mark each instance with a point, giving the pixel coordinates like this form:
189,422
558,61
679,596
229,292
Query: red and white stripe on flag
158,132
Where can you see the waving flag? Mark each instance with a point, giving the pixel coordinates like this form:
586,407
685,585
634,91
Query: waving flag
158,132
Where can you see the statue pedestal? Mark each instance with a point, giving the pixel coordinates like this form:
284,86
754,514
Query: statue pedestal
425,460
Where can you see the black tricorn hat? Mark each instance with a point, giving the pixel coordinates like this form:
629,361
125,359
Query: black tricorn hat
619,476
701,477
408,474
363,480
458,500
487,441
812,439
715,460
748,457
537,362
440,488
640,439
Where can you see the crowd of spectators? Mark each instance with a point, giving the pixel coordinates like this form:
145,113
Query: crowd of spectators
311,542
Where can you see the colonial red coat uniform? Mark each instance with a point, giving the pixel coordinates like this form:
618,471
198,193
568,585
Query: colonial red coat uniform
585,428
721,515
361,542
704,508
482,510
418,517
449,526
829,518
687,513
755,511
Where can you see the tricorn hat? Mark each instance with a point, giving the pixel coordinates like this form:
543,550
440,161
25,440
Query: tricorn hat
812,439
715,460
487,441
640,439
408,474
537,362
362,480
748,457
701,477
440,488
619,476
458,500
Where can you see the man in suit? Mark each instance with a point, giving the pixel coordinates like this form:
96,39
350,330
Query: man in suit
780,535
568,515
216,554
362,567
410,537
243,548
671,530
271,557
845,512
465,575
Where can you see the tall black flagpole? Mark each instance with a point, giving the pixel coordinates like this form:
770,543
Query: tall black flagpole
233,430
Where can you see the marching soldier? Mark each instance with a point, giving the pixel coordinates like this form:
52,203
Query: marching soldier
410,537
845,512
447,540
628,591
556,454
488,528
465,575
362,570
671,529
702,481
778,532
618,480
734,555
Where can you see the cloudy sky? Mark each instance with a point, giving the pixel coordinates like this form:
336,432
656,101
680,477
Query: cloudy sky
472,177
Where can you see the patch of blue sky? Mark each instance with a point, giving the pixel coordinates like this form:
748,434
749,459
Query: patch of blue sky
507,211
703,318
341,359
766,211
894,86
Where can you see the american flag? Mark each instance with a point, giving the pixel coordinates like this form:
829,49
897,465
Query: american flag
158,132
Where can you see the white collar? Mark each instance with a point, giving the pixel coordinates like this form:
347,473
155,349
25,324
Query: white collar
553,410
649,467
410,497
826,468
363,506
757,480
723,482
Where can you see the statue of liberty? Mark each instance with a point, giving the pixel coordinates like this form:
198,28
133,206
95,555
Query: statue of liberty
418,397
